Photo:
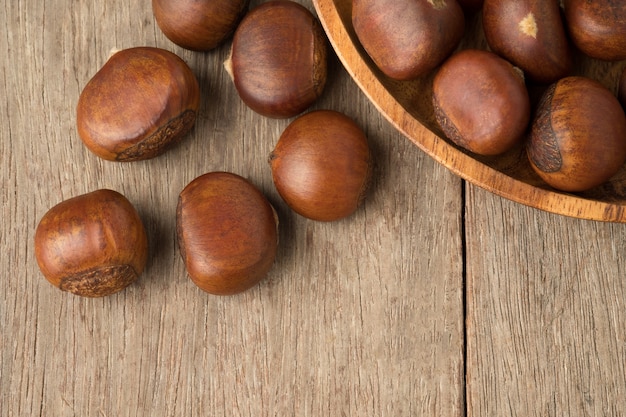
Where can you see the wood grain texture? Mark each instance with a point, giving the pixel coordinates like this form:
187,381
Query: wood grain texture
546,312
359,317
544,294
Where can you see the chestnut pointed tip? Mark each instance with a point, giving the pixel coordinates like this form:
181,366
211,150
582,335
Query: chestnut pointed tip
112,52
228,65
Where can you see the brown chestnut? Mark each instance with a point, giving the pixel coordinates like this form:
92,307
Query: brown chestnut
531,35
198,25
91,245
141,102
227,233
278,59
321,165
408,38
578,136
481,102
597,28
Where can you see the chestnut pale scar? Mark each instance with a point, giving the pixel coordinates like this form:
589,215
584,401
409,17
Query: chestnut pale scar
100,281
448,127
528,25
165,137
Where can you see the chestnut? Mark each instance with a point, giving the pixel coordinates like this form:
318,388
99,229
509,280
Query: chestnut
597,28
141,102
578,136
91,245
321,165
408,38
227,233
481,102
278,59
198,25
531,35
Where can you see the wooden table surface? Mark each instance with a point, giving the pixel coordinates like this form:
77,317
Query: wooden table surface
436,298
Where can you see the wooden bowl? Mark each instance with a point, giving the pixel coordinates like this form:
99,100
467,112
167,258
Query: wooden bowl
407,105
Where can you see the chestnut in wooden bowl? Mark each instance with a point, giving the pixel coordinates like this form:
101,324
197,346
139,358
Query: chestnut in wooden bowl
278,59
481,102
140,103
531,35
408,38
407,105
92,245
321,165
227,233
198,25
578,137
598,28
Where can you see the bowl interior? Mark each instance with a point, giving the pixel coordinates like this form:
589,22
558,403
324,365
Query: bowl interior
415,98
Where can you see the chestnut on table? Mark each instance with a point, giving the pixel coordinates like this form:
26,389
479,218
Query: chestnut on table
227,233
322,165
92,245
278,59
199,25
142,102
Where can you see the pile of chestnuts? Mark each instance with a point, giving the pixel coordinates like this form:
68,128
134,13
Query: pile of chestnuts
574,137
144,100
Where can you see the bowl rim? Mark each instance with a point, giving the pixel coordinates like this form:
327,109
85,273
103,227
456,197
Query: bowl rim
461,164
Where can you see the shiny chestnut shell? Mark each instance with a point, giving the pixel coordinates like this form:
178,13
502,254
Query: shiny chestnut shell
531,35
481,102
91,245
598,28
198,25
279,59
227,233
141,102
407,39
578,136
321,165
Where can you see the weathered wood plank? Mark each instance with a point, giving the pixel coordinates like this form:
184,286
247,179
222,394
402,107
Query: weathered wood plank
546,325
358,317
